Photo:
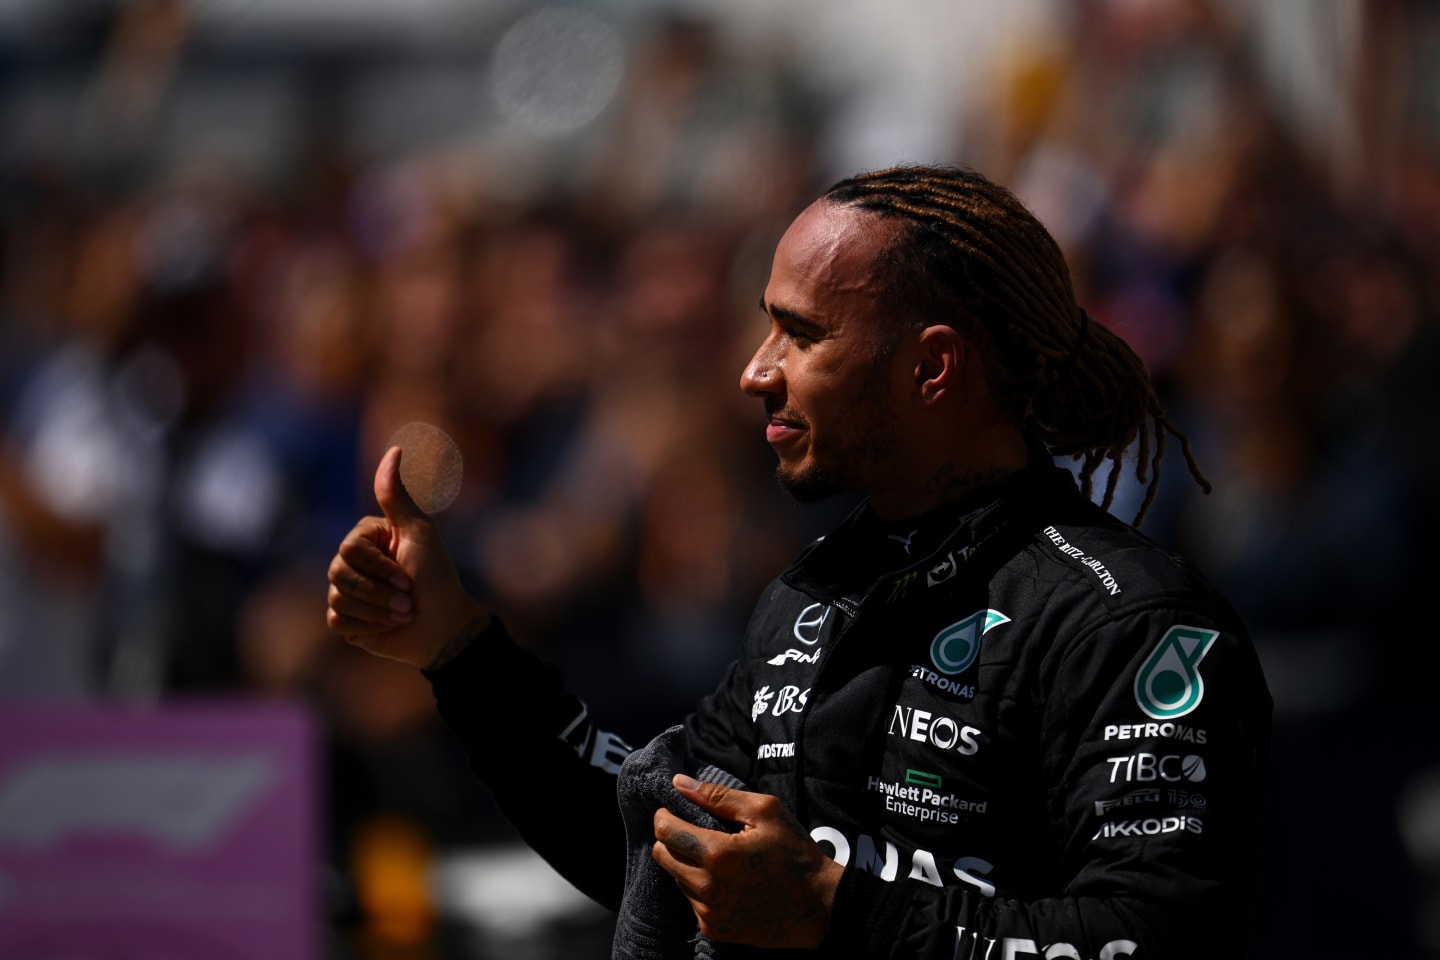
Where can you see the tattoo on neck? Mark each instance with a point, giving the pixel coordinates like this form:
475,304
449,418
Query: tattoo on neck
459,642
949,481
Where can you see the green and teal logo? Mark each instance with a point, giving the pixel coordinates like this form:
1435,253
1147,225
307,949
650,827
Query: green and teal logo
923,778
957,646
1169,684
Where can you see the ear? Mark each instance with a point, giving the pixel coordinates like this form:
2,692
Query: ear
940,364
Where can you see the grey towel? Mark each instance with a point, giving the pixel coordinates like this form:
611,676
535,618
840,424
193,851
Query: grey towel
656,921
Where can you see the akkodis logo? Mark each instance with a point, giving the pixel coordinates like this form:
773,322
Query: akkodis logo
957,646
1169,683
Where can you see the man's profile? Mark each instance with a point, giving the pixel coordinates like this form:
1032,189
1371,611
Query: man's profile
982,717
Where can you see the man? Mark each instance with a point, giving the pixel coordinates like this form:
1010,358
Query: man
982,717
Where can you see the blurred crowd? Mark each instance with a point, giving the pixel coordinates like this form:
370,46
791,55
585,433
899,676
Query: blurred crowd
200,368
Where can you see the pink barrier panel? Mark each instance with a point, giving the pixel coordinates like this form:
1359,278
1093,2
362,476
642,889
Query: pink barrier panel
176,833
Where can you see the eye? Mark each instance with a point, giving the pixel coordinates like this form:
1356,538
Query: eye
802,335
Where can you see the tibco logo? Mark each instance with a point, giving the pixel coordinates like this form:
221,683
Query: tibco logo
1148,767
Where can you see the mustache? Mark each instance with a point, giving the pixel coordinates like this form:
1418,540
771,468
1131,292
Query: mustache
776,410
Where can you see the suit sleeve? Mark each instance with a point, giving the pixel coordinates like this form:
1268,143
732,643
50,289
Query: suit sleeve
1153,737
558,750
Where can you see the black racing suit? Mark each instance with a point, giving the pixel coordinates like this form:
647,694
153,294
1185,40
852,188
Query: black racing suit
1024,729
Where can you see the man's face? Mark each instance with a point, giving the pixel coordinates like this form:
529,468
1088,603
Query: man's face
824,371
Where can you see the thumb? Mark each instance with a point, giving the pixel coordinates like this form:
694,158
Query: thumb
724,802
395,501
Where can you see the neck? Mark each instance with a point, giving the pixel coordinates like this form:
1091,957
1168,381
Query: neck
943,476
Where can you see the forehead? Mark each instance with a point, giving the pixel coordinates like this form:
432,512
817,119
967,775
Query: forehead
826,263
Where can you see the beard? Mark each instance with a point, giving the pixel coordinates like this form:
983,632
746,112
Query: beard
811,485
862,437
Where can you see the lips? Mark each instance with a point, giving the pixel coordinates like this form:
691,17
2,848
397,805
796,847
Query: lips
781,423
777,431
780,428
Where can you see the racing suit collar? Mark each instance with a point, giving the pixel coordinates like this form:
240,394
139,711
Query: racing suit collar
865,548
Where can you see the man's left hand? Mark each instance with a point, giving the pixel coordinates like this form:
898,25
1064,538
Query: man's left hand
769,885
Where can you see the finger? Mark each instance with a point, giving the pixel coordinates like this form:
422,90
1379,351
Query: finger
692,880
685,840
685,846
725,802
361,556
350,628
396,609
390,492
354,594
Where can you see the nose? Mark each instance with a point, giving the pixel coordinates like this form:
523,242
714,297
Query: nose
763,374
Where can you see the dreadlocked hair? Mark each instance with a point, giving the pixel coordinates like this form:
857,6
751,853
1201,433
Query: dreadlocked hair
971,255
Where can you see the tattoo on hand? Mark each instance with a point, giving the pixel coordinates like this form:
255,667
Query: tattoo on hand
947,481
766,905
686,845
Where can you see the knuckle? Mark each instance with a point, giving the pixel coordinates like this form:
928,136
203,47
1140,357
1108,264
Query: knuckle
727,861
351,549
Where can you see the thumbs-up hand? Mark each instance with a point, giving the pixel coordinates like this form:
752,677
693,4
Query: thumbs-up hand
394,590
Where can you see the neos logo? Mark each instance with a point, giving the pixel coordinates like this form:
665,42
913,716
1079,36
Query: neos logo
808,624
957,646
940,731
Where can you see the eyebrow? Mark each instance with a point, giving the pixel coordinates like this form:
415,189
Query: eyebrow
789,316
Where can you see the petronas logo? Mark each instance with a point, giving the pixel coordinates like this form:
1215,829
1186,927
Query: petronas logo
956,647
1169,684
